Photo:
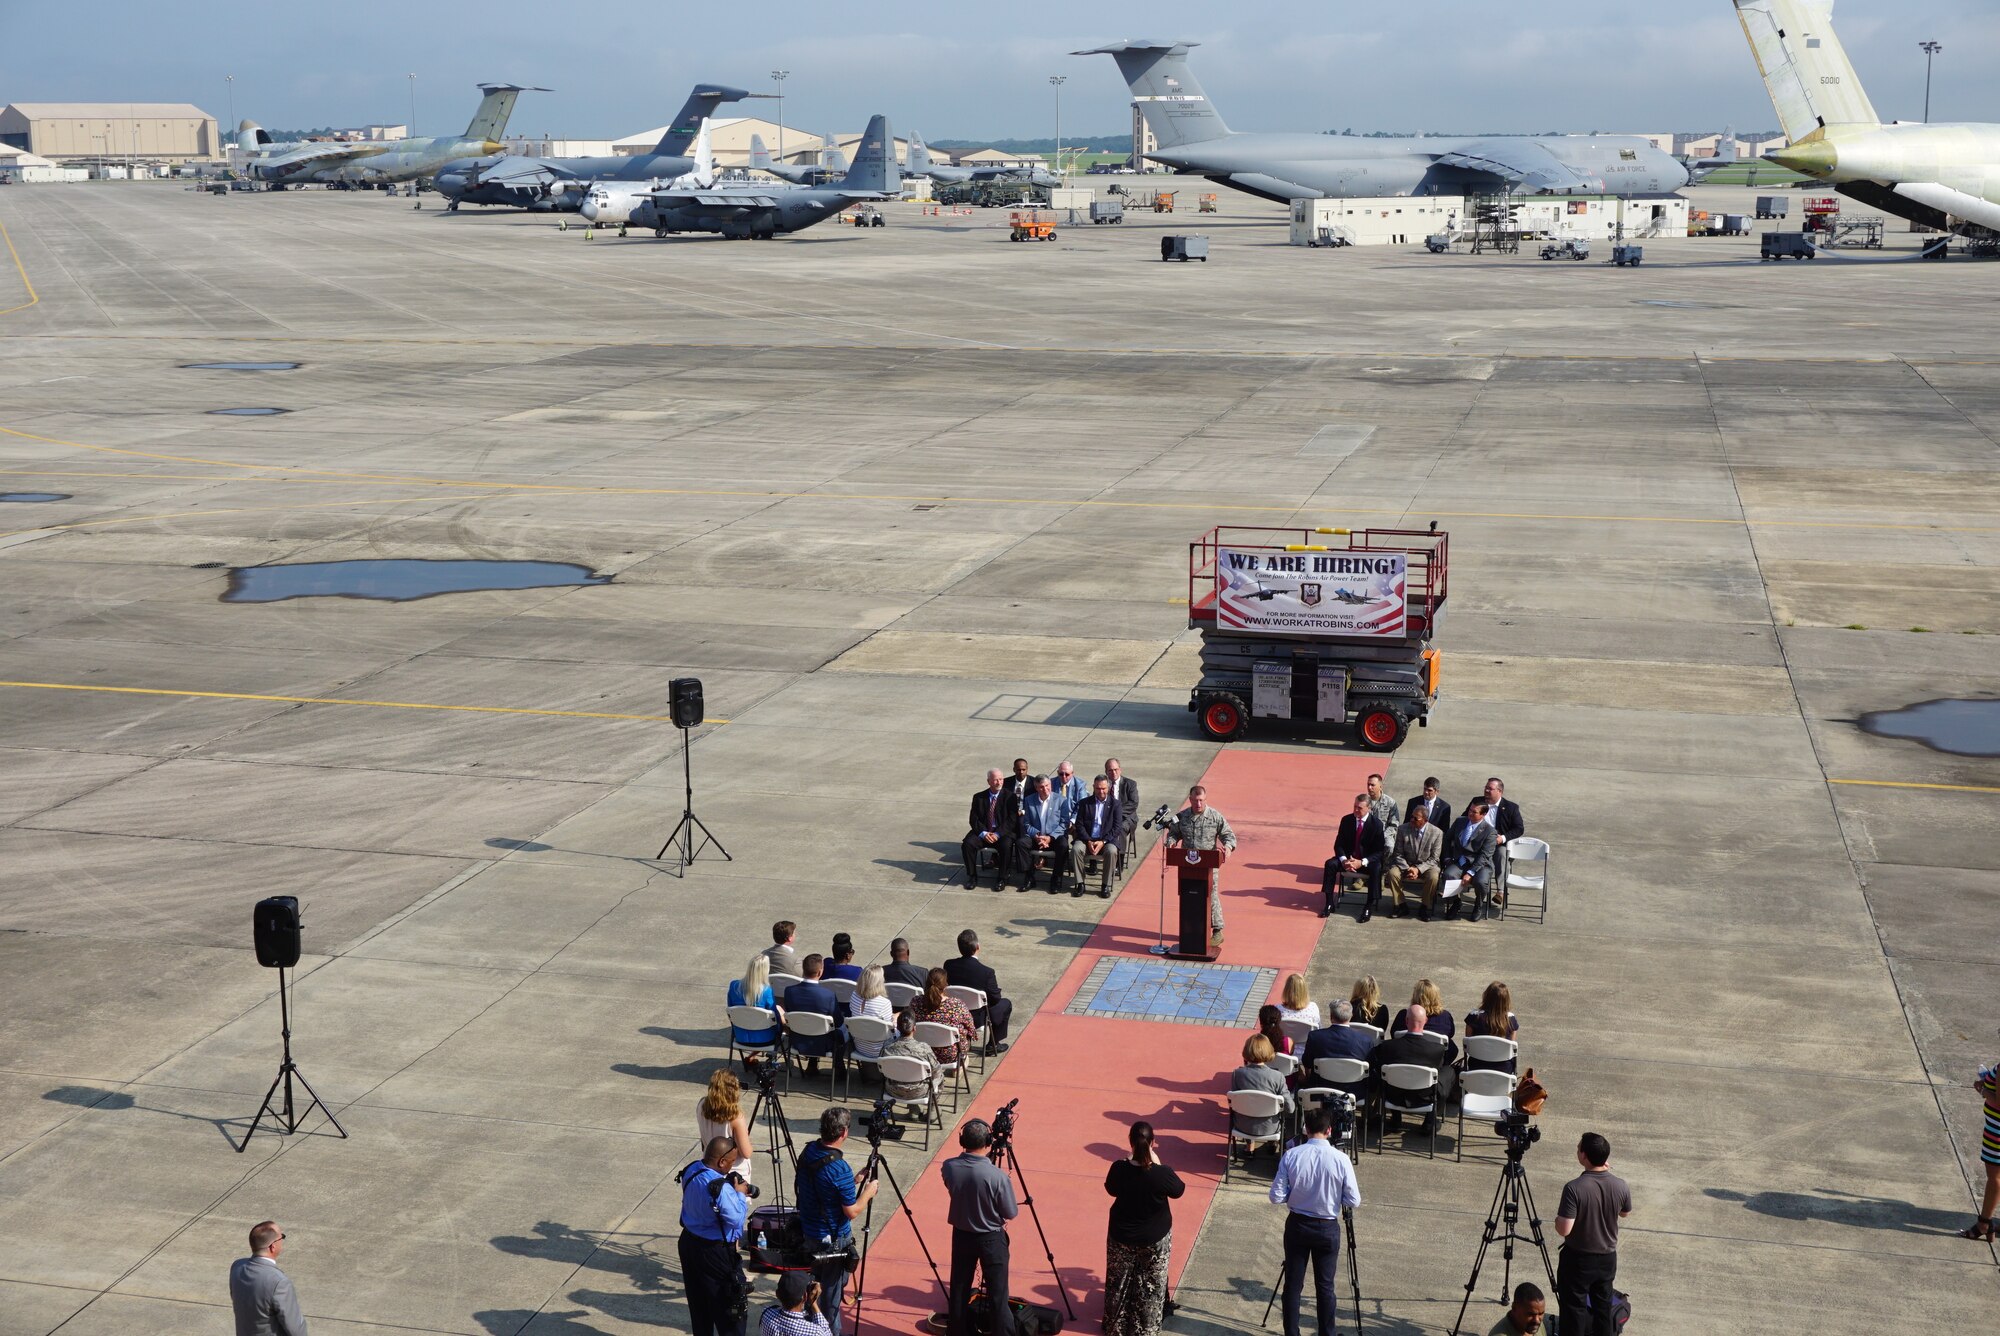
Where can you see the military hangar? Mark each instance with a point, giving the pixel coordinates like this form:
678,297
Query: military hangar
159,131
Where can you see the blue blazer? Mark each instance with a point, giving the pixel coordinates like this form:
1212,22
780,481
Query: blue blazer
809,996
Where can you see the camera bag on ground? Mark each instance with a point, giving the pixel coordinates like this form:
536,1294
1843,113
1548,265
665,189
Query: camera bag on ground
1029,1319
1621,1310
785,1240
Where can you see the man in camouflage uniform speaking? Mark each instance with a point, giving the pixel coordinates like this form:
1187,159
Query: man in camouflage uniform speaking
1199,826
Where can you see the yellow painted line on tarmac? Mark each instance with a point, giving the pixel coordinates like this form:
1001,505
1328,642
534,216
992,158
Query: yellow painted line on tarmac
336,700
14,255
1904,784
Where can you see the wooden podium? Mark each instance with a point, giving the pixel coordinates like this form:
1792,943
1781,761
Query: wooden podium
1196,870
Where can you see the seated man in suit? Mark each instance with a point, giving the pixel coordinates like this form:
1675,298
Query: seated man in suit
1417,863
1021,783
1360,851
1044,834
990,825
1412,1046
1435,807
1093,833
1470,866
783,957
1336,1041
899,969
968,971
1126,791
1068,787
812,995
1504,815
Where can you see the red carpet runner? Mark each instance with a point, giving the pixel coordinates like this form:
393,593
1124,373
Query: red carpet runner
1083,1080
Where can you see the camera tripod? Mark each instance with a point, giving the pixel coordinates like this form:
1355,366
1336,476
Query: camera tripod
878,1127
288,1071
1508,1199
684,829
779,1133
1004,1158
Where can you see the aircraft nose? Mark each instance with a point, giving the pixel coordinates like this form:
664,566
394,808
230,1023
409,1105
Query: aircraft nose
1814,158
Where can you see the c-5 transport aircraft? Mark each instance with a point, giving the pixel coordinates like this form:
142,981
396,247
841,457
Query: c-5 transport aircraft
1942,176
374,162
1193,139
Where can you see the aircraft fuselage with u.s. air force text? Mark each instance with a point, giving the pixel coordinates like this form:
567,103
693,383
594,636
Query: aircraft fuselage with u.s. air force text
1261,591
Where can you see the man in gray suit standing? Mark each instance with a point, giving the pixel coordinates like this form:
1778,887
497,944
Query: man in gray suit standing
261,1294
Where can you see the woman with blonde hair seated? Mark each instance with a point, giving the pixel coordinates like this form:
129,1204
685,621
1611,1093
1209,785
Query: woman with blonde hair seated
1438,1021
1256,1074
1369,1008
1296,1003
871,998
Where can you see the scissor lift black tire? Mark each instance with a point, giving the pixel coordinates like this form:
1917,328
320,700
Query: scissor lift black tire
1223,716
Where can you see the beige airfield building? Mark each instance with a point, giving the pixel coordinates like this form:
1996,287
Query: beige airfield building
155,131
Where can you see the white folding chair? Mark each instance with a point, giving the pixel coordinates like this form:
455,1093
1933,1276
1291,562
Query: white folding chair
1296,1030
909,1072
1375,1030
1249,1104
1408,1088
1483,1096
861,1030
1534,876
901,994
842,990
1434,1036
753,1018
806,1025
939,1035
1489,1050
1284,1064
780,982
974,1001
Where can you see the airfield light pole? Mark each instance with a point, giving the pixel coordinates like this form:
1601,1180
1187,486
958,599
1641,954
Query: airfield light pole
230,80
1056,81
1930,50
778,78
413,105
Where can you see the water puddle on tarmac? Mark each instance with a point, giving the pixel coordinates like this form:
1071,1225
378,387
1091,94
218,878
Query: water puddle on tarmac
240,366
247,412
395,580
31,497
1961,727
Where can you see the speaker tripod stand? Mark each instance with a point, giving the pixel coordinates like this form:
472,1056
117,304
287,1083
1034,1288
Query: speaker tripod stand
288,1120
683,832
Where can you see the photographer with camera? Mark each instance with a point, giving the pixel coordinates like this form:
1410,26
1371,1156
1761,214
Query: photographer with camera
1315,1182
1592,1205
715,1205
794,1314
982,1202
829,1203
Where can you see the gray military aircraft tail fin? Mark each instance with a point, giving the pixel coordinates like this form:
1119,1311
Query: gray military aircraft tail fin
760,156
495,108
874,170
700,105
1805,68
1165,90
919,156
830,156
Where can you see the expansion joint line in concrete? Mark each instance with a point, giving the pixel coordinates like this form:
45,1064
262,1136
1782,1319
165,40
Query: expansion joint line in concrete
335,700
34,297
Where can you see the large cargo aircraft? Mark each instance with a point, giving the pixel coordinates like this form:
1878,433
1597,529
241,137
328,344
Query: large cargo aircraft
378,162
1942,176
1193,139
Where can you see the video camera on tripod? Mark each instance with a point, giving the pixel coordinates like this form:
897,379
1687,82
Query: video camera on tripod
1520,1131
882,1121
1003,1131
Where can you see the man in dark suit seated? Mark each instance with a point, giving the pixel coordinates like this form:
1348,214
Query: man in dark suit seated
1435,807
1504,815
1093,833
1469,870
812,995
1413,1047
1336,1041
968,971
1126,791
1360,850
899,969
990,825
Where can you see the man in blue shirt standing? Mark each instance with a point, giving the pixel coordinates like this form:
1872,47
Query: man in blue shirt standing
829,1203
713,1211
1316,1183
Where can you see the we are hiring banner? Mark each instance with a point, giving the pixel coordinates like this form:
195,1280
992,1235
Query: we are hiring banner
1273,592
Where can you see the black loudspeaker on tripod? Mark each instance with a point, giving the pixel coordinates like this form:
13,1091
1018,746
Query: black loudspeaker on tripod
276,931
685,706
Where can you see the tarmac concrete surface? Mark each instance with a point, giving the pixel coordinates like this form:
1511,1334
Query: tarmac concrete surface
912,502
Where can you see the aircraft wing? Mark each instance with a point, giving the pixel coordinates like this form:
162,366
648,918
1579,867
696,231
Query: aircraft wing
717,199
1520,163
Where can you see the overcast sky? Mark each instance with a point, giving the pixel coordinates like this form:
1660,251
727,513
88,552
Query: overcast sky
977,70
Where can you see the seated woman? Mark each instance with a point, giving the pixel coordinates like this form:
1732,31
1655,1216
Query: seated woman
1255,1074
719,1113
937,1006
1426,995
1297,1003
840,965
754,990
1494,1017
1270,1024
1369,1008
871,998
916,1095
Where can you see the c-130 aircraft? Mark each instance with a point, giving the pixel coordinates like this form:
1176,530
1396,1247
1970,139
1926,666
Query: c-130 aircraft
1193,139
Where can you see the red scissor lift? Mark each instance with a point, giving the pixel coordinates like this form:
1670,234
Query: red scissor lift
1286,636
